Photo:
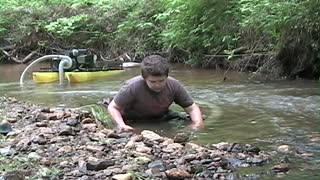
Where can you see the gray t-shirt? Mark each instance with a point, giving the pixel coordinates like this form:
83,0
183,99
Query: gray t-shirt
140,102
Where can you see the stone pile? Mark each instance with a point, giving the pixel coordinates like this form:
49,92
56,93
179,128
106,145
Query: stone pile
55,143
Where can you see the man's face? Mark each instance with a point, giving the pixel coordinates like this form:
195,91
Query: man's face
156,83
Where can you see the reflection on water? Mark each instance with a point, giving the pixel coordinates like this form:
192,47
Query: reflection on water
264,113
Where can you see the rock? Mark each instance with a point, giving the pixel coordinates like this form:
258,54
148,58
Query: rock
131,167
281,168
34,156
157,165
143,149
172,147
142,160
11,120
189,157
155,173
100,165
72,122
17,175
194,146
46,110
44,123
136,138
284,149
7,151
151,136
66,131
65,149
91,127
255,160
181,138
45,130
127,176
5,127
94,148
223,146
87,121
39,139
177,174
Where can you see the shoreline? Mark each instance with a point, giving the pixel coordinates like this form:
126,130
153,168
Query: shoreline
56,143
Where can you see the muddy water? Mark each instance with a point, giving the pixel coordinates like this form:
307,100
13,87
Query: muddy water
240,110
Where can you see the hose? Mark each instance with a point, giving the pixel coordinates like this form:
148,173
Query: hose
66,62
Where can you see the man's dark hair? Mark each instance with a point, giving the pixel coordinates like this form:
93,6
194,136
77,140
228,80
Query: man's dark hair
154,65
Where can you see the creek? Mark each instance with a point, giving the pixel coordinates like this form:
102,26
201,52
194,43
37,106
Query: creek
241,110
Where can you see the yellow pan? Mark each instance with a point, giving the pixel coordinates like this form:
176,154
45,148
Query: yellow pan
73,77
45,77
77,77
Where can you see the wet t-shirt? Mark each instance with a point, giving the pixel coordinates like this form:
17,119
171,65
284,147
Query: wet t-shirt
140,102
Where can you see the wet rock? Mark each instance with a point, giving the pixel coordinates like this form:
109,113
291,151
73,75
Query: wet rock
45,130
127,176
205,161
11,120
181,138
255,160
177,174
34,156
87,121
90,127
65,149
39,139
155,173
44,123
252,149
17,175
189,157
280,168
284,149
285,160
143,149
172,147
19,109
194,146
151,136
160,165
46,110
100,165
72,122
48,162
5,127
142,160
314,137
94,148
136,138
7,151
223,146
235,162
131,167
66,131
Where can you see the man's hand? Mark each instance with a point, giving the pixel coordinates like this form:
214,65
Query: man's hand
126,128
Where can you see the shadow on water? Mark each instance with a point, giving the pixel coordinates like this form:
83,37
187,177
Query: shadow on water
267,114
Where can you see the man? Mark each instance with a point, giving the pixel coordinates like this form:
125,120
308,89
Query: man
149,96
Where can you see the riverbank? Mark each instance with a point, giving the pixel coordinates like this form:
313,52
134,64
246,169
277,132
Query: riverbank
56,143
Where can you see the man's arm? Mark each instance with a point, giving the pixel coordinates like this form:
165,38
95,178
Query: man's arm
195,115
115,112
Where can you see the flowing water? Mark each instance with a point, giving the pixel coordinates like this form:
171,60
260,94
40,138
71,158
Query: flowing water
267,114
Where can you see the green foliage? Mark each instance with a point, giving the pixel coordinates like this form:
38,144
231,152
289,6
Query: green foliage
196,27
67,26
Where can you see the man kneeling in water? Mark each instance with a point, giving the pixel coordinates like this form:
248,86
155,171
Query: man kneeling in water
149,95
